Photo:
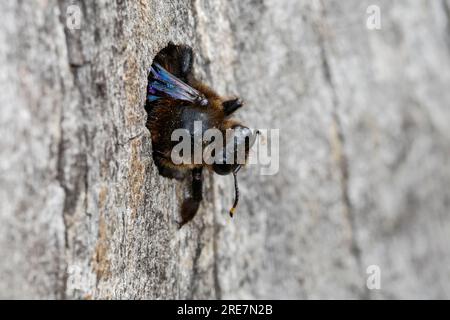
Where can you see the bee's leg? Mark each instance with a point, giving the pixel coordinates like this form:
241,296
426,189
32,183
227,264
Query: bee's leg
166,169
231,106
190,205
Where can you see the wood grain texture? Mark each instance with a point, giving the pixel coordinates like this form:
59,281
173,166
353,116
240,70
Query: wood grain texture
364,151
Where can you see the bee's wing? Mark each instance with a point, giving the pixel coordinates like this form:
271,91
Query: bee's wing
163,84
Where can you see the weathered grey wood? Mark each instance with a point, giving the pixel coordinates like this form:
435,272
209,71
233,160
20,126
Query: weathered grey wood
364,145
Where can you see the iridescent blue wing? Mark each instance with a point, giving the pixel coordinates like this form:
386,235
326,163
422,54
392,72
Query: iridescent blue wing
163,84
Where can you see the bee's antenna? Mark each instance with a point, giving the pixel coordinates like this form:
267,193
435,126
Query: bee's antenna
236,197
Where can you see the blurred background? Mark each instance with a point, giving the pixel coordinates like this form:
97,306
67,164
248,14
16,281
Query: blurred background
357,210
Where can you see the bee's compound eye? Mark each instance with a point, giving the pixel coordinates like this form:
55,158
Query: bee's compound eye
242,131
245,136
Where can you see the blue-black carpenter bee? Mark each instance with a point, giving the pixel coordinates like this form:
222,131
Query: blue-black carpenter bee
176,100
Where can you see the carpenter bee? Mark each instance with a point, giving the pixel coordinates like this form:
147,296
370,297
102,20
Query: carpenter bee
176,100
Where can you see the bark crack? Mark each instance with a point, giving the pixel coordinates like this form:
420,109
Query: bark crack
60,179
446,7
339,145
72,185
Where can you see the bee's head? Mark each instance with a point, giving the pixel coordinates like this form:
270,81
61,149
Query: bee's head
239,140
235,154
